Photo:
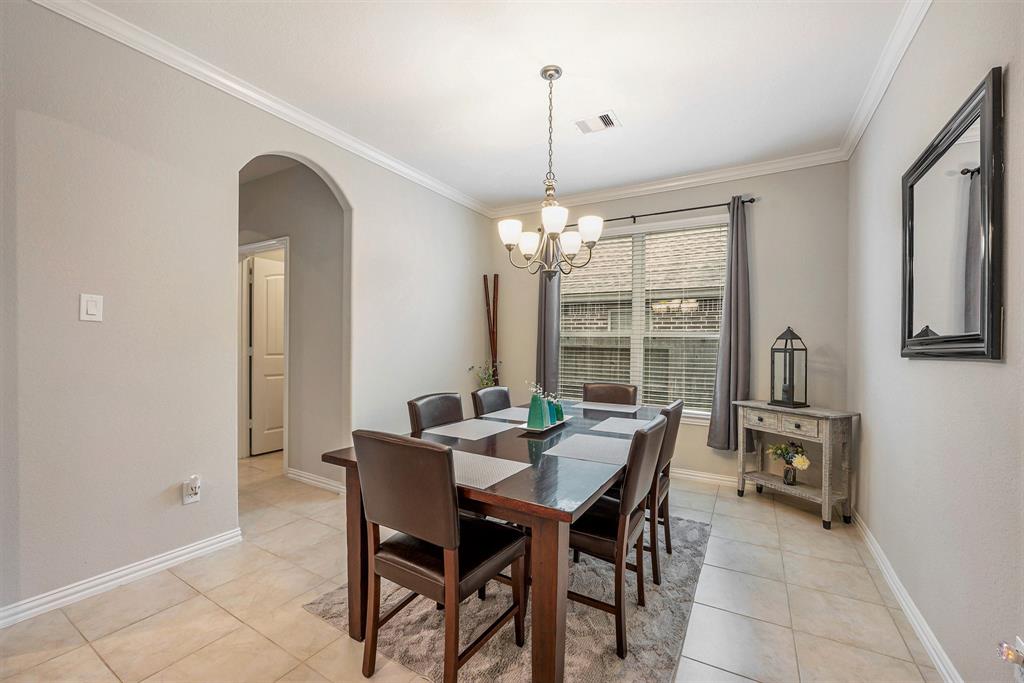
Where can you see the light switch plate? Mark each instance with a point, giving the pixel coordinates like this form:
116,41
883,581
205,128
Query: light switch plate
90,307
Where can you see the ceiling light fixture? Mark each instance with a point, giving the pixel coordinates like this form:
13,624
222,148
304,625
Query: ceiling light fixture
551,248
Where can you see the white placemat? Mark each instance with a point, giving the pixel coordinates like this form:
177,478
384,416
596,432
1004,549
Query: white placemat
619,425
471,429
481,471
595,448
521,414
607,407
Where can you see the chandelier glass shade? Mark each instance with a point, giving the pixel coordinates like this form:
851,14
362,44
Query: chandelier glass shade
554,246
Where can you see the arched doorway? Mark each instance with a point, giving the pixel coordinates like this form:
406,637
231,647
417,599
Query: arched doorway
294,245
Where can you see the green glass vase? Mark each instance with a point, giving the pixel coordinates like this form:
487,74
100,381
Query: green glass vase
539,417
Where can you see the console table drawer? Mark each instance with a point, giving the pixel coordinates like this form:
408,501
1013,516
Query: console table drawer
800,426
761,419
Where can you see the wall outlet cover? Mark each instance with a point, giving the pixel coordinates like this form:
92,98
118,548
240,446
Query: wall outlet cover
190,490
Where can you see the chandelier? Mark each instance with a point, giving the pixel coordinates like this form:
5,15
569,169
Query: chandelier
551,248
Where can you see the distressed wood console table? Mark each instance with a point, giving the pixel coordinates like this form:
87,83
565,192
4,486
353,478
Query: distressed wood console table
833,429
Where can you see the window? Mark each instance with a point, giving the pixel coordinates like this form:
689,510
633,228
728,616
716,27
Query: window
647,310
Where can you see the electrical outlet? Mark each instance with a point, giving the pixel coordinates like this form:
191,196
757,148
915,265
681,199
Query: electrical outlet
190,490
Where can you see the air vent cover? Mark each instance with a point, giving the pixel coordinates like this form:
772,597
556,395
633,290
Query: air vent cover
598,122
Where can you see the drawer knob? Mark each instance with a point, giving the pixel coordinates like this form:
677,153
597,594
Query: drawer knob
760,419
796,425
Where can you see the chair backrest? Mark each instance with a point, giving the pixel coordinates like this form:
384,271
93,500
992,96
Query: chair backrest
490,399
408,485
673,413
641,464
605,392
433,410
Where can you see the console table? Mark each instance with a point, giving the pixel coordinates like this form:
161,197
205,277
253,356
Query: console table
833,429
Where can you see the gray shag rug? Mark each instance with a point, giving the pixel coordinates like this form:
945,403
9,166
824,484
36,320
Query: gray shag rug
654,634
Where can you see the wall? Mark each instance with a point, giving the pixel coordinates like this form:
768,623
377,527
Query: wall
941,441
119,177
296,203
797,236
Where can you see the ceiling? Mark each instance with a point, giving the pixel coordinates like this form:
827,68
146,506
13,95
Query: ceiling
262,166
452,90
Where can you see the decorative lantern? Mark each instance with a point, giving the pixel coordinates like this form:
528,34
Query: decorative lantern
789,371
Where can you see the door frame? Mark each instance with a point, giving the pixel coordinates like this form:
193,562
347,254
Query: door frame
244,252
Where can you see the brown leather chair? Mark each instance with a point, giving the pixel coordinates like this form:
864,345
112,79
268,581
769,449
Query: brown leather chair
409,485
490,399
610,527
658,502
433,410
604,392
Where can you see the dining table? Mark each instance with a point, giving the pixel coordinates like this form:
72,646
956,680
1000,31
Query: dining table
546,497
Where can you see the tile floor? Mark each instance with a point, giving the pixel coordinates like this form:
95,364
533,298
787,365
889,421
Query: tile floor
779,599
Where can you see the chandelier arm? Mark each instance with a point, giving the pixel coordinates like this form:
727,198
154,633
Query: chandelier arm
590,255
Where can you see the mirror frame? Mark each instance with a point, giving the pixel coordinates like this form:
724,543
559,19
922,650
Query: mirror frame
985,104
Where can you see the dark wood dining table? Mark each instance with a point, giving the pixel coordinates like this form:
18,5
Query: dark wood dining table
547,497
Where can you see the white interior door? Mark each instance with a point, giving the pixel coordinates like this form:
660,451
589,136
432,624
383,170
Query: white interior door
268,362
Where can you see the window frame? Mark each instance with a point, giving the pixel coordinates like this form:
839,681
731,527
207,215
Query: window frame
697,417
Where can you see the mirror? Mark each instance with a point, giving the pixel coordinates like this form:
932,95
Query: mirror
952,209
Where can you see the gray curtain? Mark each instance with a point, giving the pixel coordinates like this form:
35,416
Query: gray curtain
548,317
972,270
732,378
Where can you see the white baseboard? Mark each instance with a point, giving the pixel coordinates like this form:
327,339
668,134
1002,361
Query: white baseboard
706,477
30,607
315,480
943,664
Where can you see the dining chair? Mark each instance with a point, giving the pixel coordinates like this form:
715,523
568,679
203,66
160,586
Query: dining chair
610,527
658,503
490,399
433,410
409,485
606,392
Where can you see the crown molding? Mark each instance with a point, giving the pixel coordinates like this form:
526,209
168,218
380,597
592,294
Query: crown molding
112,26
722,175
126,33
896,46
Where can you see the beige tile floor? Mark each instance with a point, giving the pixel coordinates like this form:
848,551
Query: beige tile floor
779,599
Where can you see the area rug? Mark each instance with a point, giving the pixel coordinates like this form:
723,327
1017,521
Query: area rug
415,636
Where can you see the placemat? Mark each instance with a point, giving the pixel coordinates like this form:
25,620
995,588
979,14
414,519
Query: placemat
607,407
471,429
596,448
521,414
482,471
619,425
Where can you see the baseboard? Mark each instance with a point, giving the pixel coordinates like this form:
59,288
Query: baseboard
30,607
943,664
706,477
315,480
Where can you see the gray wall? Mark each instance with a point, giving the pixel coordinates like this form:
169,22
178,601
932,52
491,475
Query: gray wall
941,441
797,231
296,203
120,177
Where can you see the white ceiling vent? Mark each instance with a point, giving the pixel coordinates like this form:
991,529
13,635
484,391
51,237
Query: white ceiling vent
602,121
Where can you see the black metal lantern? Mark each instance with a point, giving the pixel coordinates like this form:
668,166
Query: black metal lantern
789,371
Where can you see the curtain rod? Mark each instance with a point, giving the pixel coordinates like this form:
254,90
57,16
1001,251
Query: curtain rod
662,213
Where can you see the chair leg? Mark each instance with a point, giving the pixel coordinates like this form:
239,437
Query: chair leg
620,602
481,592
575,556
667,525
372,625
451,616
641,599
655,555
519,599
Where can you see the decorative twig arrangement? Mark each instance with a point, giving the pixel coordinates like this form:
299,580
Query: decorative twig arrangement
492,323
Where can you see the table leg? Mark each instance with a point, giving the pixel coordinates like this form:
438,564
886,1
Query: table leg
741,452
549,547
355,528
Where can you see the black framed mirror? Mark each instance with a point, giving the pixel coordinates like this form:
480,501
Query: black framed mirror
952,235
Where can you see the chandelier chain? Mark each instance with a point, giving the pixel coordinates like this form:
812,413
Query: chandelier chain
551,132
